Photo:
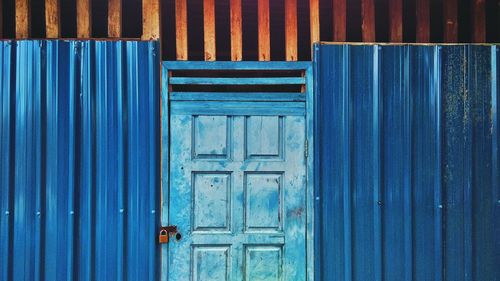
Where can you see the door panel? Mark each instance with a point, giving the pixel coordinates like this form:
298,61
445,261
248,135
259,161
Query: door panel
237,195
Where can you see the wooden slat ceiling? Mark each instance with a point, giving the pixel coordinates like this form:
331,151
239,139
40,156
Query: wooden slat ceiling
253,29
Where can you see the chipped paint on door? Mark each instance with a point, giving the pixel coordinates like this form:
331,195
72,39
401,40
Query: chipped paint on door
237,191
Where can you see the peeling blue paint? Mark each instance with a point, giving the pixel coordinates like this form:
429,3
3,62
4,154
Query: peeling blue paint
238,188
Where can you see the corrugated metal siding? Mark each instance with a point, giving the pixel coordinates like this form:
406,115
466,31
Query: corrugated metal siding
79,160
407,165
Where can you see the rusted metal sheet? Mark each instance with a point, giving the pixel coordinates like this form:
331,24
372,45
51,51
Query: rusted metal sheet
407,162
79,160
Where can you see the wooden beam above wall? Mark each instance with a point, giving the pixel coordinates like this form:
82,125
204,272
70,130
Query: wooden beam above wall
423,21
1,19
314,20
339,20
209,29
114,18
83,19
236,31
450,21
291,30
52,19
181,38
396,20
479,21
151,25
264,36
368,20
22,19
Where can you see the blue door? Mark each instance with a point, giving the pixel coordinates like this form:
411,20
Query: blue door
237,190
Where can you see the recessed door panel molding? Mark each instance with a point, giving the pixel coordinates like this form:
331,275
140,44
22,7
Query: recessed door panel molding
264,137
211,262
263,193
211,204
264,262
211,137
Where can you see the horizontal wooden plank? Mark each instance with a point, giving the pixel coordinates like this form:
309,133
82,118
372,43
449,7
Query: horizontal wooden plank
250,165
237,81
236,96
244,238
227,65
237,108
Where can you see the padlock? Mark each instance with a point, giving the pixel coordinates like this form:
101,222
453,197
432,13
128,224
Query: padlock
163,238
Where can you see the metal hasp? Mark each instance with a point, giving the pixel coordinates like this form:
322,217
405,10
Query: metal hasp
172,229
237,184
407,171
79,160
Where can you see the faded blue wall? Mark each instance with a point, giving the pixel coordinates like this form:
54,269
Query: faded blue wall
79,160
407,150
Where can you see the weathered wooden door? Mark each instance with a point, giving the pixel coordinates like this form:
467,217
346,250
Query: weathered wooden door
237,189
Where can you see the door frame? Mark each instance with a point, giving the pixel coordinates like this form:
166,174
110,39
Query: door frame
307,72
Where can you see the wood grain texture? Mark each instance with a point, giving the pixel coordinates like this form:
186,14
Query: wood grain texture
450,21
52,19
22,19
314,20
291,30
209,29
83,19
368,20
396,20
151,26
423,21
479,21
264,36
114,18
339,20
236,31
181,29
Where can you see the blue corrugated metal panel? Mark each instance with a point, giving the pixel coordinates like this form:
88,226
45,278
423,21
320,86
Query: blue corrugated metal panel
407,168
79,160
